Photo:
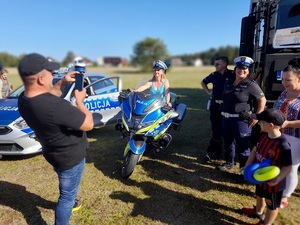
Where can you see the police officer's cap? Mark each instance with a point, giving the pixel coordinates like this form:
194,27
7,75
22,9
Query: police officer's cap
160,64
243,61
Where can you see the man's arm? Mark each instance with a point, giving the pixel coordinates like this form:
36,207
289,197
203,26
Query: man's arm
88,123
205,88
58,88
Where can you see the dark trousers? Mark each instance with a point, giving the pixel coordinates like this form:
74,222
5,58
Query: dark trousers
216,121
236,135
214,149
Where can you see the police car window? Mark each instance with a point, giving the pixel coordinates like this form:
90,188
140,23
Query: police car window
16,92
108,83
95,78
98,87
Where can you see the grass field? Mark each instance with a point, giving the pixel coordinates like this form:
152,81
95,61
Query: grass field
172,187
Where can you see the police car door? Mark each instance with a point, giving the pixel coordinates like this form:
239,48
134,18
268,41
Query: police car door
102,100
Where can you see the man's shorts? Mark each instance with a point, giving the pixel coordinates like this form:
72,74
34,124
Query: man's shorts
273,200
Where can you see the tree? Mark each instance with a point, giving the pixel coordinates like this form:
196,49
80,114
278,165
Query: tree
148,50
69,58
8,60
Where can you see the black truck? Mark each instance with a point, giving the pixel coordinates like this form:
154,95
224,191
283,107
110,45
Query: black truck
270,34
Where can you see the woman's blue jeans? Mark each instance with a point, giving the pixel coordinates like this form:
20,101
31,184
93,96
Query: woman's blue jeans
69,181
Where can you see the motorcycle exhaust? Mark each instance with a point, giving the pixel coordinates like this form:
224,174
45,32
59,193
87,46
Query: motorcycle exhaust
165,140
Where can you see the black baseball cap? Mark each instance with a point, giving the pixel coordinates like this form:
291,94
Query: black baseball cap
34,63
272,116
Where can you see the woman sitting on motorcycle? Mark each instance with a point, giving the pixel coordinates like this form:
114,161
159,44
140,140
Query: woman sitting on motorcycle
159,84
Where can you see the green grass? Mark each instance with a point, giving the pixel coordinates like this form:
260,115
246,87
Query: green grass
169,188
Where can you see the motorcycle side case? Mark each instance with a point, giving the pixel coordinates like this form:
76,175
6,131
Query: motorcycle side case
181,110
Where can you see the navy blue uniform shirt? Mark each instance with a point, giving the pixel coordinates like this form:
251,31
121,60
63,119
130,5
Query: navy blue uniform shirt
237,99
218,81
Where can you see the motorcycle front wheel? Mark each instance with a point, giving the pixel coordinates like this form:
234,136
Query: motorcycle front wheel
130,161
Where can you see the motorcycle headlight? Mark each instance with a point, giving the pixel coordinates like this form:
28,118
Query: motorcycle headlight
147,124
21,124
136,122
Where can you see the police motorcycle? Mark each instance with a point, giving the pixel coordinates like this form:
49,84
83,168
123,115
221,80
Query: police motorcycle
147,122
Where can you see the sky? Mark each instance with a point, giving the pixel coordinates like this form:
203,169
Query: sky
97,28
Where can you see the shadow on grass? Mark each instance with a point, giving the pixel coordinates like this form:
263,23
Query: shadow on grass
18,157
198,177
27,203
173,207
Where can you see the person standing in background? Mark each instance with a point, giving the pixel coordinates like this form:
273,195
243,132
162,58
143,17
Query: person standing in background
217,79
5,85
289,103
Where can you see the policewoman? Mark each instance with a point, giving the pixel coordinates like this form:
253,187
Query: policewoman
237,96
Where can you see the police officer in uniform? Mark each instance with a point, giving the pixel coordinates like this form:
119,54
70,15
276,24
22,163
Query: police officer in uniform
217,79
237,95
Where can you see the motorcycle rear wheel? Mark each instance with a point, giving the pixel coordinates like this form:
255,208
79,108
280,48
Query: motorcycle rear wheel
130,161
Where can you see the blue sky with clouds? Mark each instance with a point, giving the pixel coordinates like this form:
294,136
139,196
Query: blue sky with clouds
95,28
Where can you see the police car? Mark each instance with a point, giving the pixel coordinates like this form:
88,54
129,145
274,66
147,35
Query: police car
16,138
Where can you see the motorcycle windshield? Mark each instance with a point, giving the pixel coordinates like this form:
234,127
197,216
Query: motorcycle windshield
143,103
147,108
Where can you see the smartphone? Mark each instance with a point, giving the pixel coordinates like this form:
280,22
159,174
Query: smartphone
79,82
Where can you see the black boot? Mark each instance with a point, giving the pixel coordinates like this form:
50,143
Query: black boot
214,150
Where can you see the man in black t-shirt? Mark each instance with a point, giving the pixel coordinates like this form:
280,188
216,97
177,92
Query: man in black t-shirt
59,126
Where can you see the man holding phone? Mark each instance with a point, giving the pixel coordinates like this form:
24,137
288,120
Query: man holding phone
59,126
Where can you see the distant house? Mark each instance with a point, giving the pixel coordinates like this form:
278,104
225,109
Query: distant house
88,62
198,62
176,61
111,61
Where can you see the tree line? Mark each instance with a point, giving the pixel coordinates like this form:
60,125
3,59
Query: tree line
209,55
144,52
